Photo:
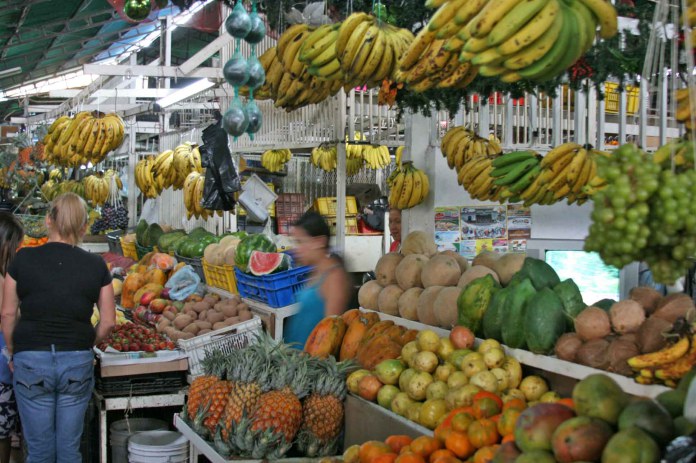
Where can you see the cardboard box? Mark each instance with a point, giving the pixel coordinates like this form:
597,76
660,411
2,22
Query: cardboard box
144,368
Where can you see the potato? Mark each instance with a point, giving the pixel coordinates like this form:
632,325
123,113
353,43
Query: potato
210,299
169,331
203,315
190,312
185,335
176,335
219,325
201,306
229,311
169,315
188,306
192,328
242,306
244,316
204,331
626,316
231,321
182,321
162,324
214,317
203,325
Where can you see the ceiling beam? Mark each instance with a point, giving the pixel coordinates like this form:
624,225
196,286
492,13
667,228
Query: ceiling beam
149,71
44,108
116,93
204,53
20,23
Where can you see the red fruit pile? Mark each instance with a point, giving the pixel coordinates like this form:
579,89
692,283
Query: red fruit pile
130,337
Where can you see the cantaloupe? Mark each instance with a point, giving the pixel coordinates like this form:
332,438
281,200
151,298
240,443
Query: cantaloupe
229,240
230,254
388,300
408,303
419,242
408,272
209,253
486,258
426,302
507,266
445,307
368,295
440,270
461,260
477,271
385,271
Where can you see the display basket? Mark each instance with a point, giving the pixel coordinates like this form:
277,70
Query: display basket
276,290
226,339
220,276
195,262
142,250
128,249
327,206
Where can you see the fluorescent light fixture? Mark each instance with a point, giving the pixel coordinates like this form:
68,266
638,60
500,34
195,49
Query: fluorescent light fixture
186,92
11,72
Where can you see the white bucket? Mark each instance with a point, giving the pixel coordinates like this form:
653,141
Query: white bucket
158,447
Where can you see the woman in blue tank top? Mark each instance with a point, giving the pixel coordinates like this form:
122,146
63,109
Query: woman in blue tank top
328,291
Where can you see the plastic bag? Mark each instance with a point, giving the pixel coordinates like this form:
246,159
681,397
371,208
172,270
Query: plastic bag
221,177
183,283
681,450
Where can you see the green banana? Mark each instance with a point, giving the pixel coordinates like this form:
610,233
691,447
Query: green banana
525,180
515,174
511,158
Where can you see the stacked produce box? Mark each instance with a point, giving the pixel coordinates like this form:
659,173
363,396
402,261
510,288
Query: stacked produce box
327,208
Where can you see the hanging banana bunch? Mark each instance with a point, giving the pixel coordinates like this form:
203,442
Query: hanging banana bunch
275,160
325,157
409,186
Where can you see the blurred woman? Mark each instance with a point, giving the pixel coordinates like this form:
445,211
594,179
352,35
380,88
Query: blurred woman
329,290
395,229
51,340
11,235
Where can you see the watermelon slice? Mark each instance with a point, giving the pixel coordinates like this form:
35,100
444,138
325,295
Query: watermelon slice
264,263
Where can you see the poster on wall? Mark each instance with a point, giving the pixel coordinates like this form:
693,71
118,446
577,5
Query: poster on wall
484,222
467,248
447,234
519,224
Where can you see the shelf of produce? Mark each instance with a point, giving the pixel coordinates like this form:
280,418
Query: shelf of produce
380,423
546,363
199,446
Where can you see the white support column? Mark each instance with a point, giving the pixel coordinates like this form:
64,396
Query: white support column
507,133
557,122
132,160
664,95
167,40
643,116
580,118
591,105
420,147
622,117
533,121
341,175
601,115
484,117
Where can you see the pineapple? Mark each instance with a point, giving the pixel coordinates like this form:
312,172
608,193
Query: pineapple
322,410
218,395
200,386
246,377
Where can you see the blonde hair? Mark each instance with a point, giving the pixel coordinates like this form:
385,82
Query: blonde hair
68,214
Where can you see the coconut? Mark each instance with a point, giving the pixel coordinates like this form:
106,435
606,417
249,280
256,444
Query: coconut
647,297
567,346
594,354
592,323
626,316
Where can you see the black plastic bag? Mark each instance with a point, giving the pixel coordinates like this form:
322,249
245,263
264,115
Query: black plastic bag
221,177
681,450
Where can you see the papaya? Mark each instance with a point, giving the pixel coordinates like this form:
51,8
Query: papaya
541,274
155,288
512,329
350,315
376,350
570,296
145,261
351,340
156,275
495,315
325,339
473,302
376,329
394,333
650,417
373,317
140,230
408,336
631,446
544,321
132,283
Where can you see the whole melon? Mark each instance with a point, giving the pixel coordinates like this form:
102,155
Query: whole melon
258,242
476,271
368,295
229,256
507,266
388,299
445,307
461,260
486,258
408,303
385,271
218,256
209,252
408,272
419,242
440,271
426,301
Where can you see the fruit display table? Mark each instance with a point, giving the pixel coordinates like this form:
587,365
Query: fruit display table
107,404
561,374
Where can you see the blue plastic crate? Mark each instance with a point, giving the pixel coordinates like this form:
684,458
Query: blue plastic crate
277,290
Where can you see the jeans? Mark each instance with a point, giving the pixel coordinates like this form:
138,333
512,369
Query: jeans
53,391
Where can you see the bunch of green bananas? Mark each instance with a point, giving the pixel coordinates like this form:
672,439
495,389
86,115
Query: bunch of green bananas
513,39
679,152
369,50
460,146
50,189
409,186
87,137
98,186
274,160
325,157
514,172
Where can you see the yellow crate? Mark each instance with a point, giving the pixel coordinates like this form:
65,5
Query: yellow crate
128,249
220,276
611,98
351,225
327,206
